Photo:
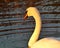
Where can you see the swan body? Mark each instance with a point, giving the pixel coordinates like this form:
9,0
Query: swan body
42,43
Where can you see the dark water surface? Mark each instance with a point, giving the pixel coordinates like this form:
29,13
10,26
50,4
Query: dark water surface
15,32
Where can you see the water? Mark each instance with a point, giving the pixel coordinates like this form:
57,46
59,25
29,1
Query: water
15,32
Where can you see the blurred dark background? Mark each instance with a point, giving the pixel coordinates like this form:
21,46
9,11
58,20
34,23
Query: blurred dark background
15,32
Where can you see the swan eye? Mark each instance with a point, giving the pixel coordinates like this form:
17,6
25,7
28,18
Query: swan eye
25,12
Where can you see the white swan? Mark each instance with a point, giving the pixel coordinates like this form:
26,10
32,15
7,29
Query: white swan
45,42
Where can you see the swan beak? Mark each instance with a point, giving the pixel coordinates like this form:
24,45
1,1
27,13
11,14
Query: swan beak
25,17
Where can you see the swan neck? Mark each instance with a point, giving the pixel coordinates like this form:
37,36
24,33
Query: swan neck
36,32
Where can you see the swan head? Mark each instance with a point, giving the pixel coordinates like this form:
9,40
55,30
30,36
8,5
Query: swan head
31,11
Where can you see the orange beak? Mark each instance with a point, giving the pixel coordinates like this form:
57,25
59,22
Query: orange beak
25,16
